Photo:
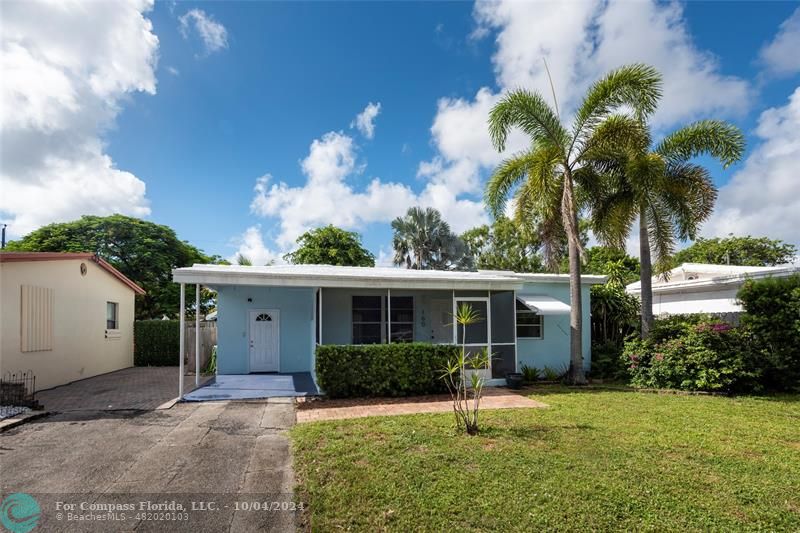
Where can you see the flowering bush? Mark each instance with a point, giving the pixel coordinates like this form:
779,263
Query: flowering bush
692,353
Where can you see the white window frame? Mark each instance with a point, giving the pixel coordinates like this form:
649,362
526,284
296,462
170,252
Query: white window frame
517,323
113,333
353,323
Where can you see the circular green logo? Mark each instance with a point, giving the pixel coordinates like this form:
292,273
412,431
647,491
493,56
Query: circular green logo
20,512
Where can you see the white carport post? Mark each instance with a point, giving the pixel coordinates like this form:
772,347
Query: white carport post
197,336
182,339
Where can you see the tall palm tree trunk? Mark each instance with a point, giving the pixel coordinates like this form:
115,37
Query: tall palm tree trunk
646,282
576,374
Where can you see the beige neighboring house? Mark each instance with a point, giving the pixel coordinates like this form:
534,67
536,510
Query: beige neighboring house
65,316
702,288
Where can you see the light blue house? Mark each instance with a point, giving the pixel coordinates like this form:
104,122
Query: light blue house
270,319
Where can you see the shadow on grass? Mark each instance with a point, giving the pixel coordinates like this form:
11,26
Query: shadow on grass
533,432
547,390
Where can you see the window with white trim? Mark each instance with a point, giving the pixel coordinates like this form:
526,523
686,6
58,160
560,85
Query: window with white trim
112,315
402,319
529,324
371,324
367,319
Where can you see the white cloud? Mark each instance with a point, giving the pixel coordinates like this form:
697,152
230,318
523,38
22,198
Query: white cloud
212,33
762,198
327,198
173,71
365,121
250,244
66,75
781,57
581,41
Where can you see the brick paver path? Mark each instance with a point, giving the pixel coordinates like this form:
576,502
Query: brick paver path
493,398
143,388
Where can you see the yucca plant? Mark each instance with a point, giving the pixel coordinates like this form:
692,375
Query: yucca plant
466,387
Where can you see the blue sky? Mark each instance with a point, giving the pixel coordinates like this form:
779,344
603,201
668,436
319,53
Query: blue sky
204,98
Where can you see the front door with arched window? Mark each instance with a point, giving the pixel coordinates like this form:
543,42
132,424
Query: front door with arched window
265,340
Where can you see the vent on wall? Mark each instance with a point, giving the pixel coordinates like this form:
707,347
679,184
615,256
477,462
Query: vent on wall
36,319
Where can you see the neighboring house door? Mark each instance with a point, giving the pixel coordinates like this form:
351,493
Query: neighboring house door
265,340
441,321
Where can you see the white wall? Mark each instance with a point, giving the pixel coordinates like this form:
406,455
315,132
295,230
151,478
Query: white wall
80,348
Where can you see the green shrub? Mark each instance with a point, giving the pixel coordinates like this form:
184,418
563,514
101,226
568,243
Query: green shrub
530,374
692,353
772,315
156,342
401,369
607,362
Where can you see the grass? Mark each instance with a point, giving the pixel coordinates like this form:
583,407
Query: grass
593,460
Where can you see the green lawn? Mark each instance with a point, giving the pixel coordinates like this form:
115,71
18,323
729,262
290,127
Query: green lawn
593,460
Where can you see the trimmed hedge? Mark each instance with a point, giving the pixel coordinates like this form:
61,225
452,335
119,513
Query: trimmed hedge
402,369
772,315
156,342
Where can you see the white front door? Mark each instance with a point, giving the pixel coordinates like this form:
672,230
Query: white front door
265,340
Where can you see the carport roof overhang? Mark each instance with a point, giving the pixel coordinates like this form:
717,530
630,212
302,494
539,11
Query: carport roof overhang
345,277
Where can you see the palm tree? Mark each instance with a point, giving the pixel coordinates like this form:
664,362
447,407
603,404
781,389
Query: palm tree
549,176
243,260
670,195
423,241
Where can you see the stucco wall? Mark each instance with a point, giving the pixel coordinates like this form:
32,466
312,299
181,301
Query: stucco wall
80,347
296,306
553,349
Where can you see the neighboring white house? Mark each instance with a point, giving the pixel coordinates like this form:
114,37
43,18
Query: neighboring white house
701,288
64,316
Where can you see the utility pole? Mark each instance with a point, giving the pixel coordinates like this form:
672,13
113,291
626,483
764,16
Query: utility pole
3,245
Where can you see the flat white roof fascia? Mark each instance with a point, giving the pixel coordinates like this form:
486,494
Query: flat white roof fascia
344,277
720,281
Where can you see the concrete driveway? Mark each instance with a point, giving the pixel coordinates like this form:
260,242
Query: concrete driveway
223,462
143,388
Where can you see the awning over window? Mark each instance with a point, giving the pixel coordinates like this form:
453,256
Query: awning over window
543,305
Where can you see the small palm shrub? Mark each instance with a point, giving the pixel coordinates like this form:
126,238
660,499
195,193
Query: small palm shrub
530,374
466,386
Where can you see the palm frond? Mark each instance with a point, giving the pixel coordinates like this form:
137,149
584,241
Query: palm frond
689,194
637,86
529,112
717,138
661,231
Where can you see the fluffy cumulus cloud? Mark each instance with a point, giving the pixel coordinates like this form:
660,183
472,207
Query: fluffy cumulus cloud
761,198
780,56
250,244
579,41
365,121
329,196
212,33
66,74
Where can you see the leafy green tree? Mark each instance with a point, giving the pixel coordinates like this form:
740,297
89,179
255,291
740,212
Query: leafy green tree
243,260
606,260
744,251
660,186
330,245
145,252
551,176
422,240
505,245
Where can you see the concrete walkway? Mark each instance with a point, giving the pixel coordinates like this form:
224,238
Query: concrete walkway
493,398
221,452
144,388
254,386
